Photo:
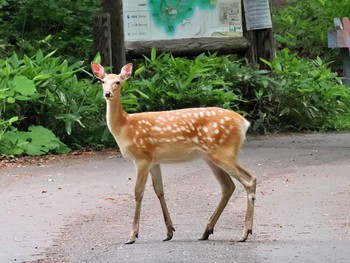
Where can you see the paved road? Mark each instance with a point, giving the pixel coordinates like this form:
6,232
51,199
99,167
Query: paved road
79,208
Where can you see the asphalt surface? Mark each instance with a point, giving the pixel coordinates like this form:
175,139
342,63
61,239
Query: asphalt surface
79,208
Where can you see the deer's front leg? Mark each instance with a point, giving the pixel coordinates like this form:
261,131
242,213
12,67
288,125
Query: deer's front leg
142,174
158,188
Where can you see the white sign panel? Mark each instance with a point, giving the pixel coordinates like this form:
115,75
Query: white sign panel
257,14
175,19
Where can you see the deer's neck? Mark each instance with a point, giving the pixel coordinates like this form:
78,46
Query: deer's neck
116,117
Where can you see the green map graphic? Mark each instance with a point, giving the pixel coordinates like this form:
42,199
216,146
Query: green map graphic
169,14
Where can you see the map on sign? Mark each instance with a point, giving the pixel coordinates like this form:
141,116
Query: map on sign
177,19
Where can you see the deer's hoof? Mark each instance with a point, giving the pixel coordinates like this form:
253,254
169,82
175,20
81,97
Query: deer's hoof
206,234
167,238
245,235
170,234
130,241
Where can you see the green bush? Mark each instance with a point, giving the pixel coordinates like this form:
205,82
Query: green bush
302,26
166,82
65,26
44,90
309,96
43,103
36,141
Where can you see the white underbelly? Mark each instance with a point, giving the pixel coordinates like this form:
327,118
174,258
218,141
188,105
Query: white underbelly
176,155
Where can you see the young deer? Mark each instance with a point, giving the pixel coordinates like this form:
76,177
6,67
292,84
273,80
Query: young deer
152,138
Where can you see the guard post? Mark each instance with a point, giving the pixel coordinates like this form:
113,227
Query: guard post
339,37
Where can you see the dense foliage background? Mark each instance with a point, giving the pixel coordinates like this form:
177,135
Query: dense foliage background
49,101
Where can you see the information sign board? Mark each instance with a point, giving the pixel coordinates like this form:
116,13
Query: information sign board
178,19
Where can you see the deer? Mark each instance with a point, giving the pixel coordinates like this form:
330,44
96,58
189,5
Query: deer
152,138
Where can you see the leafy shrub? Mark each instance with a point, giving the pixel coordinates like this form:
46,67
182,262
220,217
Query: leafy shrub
309,95
65,26
302,26
36,141
42,93
166,82
45,91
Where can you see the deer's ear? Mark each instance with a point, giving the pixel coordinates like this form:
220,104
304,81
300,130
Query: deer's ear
126,71
98,70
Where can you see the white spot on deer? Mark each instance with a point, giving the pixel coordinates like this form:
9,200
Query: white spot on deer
180,138
144,130
205,129
196,114
227,118
201,114
208,113
174,139
221,141
222,121
216,131
213,113
209,139
184,115
195,139
137,132
183,128
167,128
156,128
215,125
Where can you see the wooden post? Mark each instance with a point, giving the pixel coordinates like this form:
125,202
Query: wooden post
346,65
339,37
102,38
115,10
262,44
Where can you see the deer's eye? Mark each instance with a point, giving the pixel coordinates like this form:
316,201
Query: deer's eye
117,82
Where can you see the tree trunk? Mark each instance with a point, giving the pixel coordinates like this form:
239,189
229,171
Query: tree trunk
115,9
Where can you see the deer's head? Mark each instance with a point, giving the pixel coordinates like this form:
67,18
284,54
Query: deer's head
111,83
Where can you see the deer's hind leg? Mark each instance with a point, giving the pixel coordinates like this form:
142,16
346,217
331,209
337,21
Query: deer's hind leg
249,183
227,188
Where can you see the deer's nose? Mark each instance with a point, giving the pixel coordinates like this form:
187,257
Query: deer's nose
107,94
